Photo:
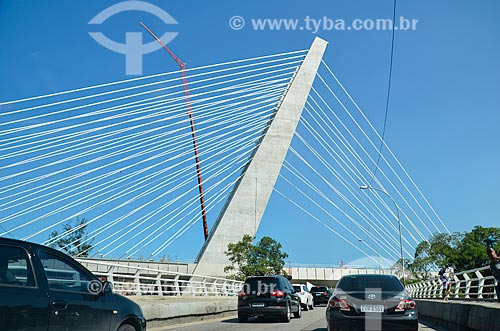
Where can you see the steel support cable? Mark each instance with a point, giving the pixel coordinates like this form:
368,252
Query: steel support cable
217,199
175,175
138,87
380,170
315,189
141,104
144,77
309,184
353,169
223,78
186,152
341,138
46,203
193,200
370,158
57,162
324,224
145,160
75,147
352,166
342,180
188,203
352,149
180,113
354,153
391,153
255,147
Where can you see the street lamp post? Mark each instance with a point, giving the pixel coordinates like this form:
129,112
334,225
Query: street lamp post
367,187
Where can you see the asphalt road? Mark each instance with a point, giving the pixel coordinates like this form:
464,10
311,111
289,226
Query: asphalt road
313,320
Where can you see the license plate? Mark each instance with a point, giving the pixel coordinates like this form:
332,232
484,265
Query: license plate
318,294
257,305
372,308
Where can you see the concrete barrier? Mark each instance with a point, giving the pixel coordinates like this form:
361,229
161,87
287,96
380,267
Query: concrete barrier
165,311
461,315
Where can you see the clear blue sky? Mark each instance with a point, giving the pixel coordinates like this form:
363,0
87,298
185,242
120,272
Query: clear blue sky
444,118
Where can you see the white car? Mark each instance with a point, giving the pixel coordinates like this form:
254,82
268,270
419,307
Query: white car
306,298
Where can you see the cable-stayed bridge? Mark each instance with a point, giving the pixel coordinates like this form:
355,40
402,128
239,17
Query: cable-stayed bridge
120,155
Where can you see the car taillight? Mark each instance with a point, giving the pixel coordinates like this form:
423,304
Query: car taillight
278,294
405,305
242,295
325,293
341,304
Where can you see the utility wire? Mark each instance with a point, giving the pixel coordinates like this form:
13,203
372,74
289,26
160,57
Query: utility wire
388,94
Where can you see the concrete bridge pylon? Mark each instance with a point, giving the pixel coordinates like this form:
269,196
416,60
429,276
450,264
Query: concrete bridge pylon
244,209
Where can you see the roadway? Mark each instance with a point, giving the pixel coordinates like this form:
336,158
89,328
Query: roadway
313,320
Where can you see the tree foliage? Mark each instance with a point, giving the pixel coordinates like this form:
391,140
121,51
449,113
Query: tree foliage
265,258
73,240
462,251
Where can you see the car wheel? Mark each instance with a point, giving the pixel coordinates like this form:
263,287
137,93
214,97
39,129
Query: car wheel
287,317
126,327
298,314
242,318
306,307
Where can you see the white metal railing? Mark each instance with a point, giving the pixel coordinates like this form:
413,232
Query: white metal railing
135,280
470,284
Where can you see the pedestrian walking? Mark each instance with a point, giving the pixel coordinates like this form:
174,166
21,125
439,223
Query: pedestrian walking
495,262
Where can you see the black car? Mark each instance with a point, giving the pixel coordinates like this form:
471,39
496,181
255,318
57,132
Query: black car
320,294
268,296
44,289
371,302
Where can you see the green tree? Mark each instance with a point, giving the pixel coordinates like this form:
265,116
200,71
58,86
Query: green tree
462,251
73,240
265,258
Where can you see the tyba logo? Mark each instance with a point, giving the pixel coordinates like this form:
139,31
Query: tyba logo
133,48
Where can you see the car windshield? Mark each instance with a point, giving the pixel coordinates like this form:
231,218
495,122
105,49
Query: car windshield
361,283
263,285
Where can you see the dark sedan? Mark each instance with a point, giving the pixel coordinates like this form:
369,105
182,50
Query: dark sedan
42,289
371,302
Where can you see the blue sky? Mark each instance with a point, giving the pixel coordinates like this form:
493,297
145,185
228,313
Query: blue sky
444,123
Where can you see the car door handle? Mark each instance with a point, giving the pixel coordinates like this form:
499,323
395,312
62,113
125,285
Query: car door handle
59,304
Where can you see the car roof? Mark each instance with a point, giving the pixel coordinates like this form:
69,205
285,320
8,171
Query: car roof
17,242
369,275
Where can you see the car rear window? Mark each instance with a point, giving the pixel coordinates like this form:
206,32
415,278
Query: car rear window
361,283
319,289
297,288
263,285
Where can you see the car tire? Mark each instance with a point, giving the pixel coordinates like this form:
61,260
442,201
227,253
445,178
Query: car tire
287,317
298,314
242,318
306,307
126,327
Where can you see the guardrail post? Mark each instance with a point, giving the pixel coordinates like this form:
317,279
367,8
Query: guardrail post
468,283
204,287
457,282
110,274
176,285
480,284
137,282
159,284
